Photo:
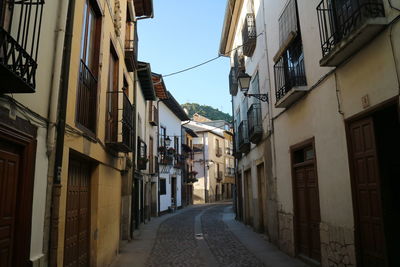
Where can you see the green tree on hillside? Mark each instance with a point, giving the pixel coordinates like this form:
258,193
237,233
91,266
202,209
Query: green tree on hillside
206,111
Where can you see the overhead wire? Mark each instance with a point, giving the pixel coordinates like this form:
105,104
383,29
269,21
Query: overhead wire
207,61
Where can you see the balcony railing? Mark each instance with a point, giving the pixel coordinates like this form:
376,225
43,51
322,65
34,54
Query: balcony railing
290,74
166,159
243,138
338,20
141,155
233,82
153,115
230,171
20,25
179,161
87,98
119,127
131,53
249,35
255,123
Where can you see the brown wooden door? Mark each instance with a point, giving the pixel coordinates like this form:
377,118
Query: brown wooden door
306,203
367,196
248,196
77,226
9,167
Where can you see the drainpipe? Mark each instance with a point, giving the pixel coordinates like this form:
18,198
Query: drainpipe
158,164
62,101
133,224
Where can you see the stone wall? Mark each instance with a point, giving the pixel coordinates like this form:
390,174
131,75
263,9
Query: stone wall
337,246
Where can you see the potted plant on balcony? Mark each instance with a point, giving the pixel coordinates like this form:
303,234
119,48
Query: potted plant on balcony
161,149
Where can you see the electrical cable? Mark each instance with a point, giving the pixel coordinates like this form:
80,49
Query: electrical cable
207,61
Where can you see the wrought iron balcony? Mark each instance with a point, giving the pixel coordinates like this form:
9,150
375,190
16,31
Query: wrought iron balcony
249,35
153,115
229,171
179,161
131,53
243,137
290,77
345,26
166,159
255,123
119,127
233,82
20,24
141,155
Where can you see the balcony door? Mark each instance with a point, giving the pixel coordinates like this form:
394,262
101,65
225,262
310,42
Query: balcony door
112,99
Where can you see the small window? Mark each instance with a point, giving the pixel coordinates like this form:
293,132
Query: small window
303,155
163,187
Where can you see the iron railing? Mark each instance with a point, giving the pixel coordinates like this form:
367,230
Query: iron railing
229,171
87,98
141,155
255,122
289,70
115,122
233,82
243,137
20,25
337,19
249,34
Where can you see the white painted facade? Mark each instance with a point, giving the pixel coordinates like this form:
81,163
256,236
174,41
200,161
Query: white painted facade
172,124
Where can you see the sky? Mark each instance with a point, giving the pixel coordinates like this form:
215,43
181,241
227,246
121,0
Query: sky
184,33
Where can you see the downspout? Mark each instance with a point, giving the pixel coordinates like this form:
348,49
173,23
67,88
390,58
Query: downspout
62,101
158,164
133,224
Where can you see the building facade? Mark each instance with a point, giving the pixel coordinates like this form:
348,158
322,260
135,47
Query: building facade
209,148
334,126
243,42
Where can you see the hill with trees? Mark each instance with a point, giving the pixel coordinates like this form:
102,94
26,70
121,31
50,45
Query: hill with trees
206,111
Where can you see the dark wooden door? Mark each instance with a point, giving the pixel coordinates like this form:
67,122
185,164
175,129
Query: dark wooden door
307,211
367,194
77,226
9,167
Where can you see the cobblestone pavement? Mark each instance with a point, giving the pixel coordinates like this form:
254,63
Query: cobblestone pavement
177,245
225,247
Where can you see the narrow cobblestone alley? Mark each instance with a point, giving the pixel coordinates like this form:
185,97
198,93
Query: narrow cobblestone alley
205,235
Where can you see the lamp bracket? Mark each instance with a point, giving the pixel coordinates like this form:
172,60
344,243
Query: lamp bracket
262,97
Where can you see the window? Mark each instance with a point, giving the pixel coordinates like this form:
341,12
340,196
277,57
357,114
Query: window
163,136
87,91
112,99
163,187
176,144
289,67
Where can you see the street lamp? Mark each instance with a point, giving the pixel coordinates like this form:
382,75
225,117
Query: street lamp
244,83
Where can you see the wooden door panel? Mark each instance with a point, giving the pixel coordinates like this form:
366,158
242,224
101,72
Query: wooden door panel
76,251
367,196
9,172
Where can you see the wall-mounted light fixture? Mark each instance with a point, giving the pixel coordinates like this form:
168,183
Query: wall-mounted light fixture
244,83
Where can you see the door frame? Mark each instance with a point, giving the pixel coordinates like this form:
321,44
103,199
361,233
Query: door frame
293,148
360,116
23,134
